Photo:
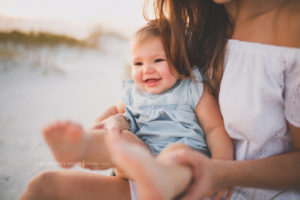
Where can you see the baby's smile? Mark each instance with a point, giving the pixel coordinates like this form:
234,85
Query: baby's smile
152,82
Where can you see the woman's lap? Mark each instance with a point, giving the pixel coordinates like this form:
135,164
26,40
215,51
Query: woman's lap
67,184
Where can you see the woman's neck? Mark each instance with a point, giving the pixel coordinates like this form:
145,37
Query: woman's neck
244,10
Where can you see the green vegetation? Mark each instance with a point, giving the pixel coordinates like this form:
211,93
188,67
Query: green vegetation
40,38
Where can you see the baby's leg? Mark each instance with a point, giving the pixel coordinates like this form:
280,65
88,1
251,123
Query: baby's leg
155,178
71,144
66,184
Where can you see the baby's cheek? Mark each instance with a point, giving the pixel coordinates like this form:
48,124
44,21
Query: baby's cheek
137,78
134,74
168,75
164,70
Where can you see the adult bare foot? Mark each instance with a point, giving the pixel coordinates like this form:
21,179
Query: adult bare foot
67,141
153,179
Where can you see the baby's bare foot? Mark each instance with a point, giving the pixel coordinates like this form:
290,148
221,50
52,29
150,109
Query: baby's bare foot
67,141
153,179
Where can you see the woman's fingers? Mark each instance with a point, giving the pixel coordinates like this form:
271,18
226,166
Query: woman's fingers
211,193
229,193
220,193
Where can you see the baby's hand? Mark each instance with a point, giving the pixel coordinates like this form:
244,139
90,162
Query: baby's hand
115,123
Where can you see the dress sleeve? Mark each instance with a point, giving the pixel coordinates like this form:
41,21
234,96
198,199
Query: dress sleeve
196,87
292,90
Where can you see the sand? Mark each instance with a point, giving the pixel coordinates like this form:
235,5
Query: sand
40,85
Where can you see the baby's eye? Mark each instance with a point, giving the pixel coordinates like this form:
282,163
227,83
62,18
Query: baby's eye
159,60
138,63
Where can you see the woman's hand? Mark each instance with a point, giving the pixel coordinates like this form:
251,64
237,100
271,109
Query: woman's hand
115,123
220,193
204,183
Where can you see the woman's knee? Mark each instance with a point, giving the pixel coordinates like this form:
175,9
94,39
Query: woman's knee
42,186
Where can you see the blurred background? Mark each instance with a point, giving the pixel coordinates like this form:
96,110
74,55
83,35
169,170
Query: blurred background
59,60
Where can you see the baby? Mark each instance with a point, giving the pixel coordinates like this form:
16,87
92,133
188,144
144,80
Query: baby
167,111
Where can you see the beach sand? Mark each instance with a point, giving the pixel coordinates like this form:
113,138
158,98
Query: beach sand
47,84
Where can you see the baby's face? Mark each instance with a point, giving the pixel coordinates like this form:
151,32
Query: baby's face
150,68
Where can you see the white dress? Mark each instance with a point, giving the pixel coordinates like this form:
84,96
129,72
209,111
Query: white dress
259,91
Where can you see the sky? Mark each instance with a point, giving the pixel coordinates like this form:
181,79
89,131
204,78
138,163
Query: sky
123,15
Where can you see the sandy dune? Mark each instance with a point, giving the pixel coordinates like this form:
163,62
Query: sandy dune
45,84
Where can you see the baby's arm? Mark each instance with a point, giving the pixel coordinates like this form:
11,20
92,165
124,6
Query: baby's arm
112,110
109,119
210,118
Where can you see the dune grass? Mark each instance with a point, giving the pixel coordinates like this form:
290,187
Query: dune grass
41,49
40,39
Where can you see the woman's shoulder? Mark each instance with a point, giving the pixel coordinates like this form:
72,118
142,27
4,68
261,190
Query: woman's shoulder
287,24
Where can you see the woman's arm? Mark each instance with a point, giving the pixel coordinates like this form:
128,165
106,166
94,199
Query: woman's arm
276,172
210,118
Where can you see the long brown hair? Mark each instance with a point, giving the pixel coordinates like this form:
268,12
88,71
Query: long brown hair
195,32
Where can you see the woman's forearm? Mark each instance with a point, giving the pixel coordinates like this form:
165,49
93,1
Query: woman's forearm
276,172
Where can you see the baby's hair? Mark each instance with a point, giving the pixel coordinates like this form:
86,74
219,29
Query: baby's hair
152,30
148,31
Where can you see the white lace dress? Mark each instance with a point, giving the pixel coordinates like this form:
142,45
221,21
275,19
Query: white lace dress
260,90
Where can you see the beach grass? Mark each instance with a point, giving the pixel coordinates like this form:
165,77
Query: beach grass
40,39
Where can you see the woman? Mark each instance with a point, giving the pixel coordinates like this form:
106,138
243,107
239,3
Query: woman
259,93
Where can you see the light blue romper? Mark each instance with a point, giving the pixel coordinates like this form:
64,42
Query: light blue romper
163,119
